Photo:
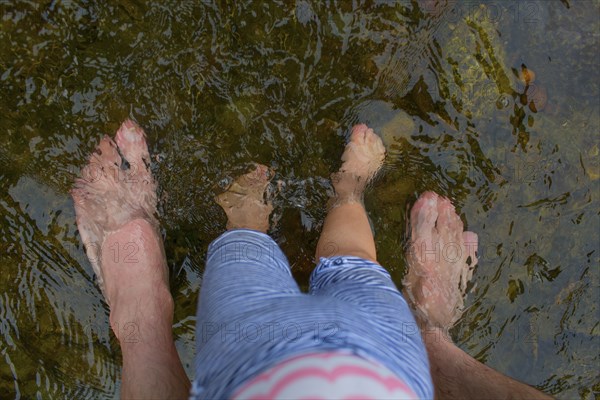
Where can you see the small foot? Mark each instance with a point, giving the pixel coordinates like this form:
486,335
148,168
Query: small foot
362,158
244,202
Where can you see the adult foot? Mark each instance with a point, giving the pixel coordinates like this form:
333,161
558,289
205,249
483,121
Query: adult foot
362,158
115,203
441,258
244,201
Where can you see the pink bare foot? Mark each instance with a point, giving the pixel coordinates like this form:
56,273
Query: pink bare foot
115,204
441,258
362,158
244,201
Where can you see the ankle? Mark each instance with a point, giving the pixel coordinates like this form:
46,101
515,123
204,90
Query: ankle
348,187
261,226
435,336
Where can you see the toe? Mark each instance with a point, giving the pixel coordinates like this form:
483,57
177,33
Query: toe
426,199
424,235
471,244
425,212
106,153
261,173
91,173
378,144
223,200
255,181
131,140
104,162
359,133
371,136
449,221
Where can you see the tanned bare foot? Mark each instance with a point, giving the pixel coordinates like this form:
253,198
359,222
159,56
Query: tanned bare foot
346,230
441,258
362,158
244,201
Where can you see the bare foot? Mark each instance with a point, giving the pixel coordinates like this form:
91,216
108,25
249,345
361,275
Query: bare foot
441,258
115,203
362,158
244,202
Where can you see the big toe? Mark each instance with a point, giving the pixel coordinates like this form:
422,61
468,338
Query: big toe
424,214
449,223
131,140
106,155
362,134
101,169
359,133
471,241
259,176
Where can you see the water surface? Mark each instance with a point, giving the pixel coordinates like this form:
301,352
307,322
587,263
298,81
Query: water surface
219,84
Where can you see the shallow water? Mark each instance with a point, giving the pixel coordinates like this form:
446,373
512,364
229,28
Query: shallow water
219,84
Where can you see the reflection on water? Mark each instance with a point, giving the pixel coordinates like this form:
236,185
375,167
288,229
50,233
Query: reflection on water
218,84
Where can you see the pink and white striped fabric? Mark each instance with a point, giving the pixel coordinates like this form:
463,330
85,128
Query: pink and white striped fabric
333,375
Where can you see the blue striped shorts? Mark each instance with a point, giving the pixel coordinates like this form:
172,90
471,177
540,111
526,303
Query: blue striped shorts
252,315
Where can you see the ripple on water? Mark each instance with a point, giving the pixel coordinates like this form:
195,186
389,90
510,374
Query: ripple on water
217,85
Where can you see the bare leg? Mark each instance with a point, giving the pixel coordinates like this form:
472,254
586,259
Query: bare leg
115,203
440,258
346,230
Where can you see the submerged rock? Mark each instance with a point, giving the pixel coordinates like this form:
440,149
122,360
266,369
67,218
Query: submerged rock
401,125
474,72
388,122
